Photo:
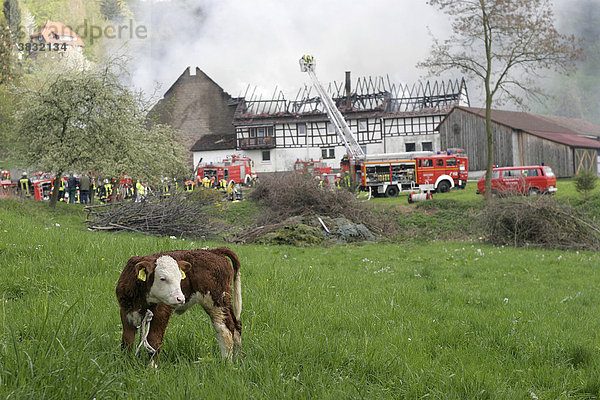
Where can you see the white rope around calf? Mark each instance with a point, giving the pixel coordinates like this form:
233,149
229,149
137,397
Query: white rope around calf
144,334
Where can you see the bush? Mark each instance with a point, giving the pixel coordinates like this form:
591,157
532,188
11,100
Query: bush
539,221
289,195
585,182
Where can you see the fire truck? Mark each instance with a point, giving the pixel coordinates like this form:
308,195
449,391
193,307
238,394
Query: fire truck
313,168
390,174
236,169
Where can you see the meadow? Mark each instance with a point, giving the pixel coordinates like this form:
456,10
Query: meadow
406,319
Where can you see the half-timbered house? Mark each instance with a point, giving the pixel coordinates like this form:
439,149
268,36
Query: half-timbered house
383,117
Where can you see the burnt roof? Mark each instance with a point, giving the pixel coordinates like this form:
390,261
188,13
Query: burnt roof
214,142
568,131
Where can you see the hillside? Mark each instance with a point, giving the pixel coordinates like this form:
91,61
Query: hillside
82,16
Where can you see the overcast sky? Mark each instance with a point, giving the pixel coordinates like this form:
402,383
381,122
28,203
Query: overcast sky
259,42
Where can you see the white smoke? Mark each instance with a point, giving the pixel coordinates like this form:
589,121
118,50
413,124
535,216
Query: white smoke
258,43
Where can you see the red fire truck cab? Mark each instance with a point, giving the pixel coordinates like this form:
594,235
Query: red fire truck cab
236,169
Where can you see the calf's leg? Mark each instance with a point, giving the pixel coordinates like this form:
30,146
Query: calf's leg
129,331
158,326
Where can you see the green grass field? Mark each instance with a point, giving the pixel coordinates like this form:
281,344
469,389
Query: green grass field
406,319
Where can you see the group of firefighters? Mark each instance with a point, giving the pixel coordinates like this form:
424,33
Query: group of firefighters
233,190
84,190
340,181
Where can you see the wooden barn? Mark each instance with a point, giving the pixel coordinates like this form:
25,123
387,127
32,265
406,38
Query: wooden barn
565,144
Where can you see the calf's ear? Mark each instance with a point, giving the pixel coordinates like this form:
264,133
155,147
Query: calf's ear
184,267
143,269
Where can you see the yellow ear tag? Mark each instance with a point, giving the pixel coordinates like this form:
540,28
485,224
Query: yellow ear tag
182,274
142,275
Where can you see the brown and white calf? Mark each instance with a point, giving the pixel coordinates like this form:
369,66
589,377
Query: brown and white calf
158,284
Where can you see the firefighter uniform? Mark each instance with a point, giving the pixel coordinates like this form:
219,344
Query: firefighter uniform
25,187
108,190
189,185
61,191
338,181
140,190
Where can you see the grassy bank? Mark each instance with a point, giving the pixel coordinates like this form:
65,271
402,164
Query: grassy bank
396,320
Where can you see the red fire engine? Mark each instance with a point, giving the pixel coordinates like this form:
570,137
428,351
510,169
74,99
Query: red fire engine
236,169
402,173
313,168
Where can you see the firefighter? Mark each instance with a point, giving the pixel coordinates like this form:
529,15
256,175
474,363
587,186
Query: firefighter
320,180
346,179
205,182
166,187
237,192
141,191
5,175
93,190
108,191
61,190
212,181
230,191
72,184
189,185
338,181
25,188
223,185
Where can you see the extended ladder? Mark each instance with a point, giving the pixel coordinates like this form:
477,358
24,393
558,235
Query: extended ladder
307,64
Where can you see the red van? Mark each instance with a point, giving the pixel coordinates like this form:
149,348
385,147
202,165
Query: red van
530,180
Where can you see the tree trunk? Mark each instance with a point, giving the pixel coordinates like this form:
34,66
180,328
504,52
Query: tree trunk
490,149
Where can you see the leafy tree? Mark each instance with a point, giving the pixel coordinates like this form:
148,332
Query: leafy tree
12,13
7,110
112,10
585,182
88,120
502,44
6,57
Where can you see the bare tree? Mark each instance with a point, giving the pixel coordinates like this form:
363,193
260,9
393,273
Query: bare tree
503,44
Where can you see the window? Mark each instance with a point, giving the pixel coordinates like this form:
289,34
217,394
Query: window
328,153
301,129
427,146
427,162
530,172
266,155
362,125
511,173
439,162
451,162
409,146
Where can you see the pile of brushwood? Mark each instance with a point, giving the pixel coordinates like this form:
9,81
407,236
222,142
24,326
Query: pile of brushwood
539,221
180,215
297,210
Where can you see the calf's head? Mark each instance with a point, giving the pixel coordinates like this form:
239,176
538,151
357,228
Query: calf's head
165,278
